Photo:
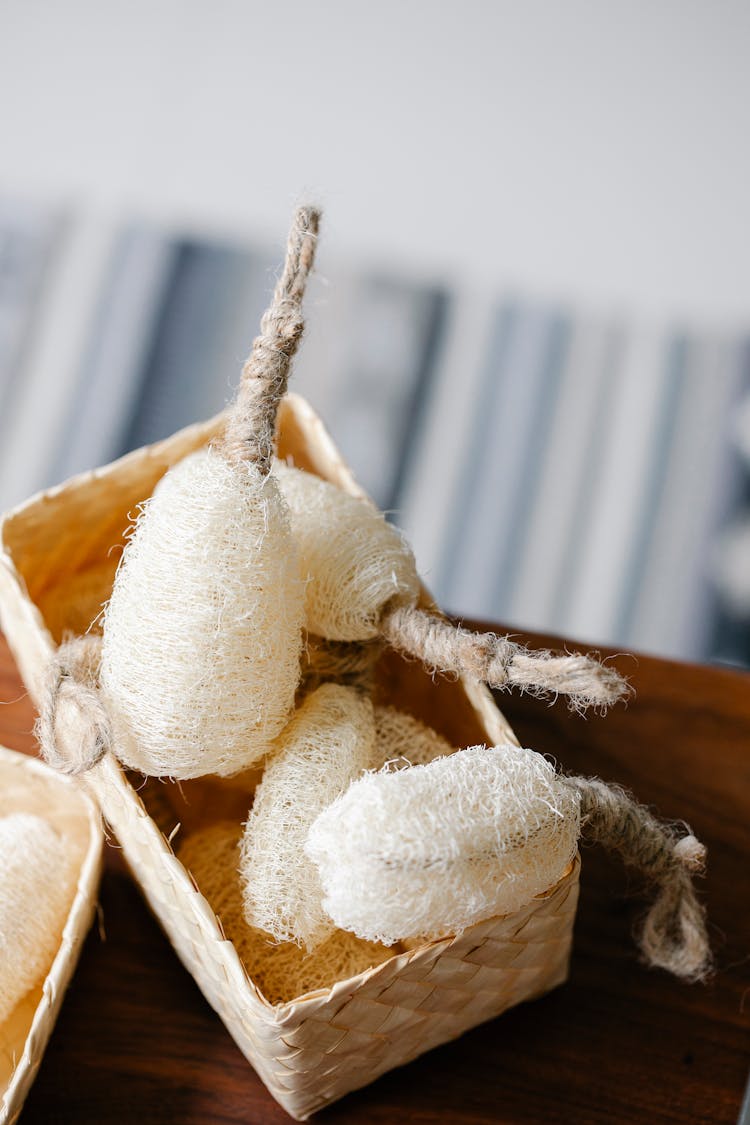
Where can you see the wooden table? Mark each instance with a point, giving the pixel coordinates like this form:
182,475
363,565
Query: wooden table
136,1041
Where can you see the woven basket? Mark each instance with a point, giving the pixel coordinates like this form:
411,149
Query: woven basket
29,786
56,571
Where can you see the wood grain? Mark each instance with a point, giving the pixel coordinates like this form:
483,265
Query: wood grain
136,1042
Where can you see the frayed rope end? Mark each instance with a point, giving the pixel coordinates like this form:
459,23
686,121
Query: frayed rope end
586,682
500,662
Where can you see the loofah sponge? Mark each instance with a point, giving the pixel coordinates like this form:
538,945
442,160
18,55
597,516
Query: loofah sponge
203,632
354,561
37,886
282,971
404,740
362,583
326,745
429,850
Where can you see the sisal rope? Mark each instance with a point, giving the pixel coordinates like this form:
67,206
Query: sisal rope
499,661
673,935
250,430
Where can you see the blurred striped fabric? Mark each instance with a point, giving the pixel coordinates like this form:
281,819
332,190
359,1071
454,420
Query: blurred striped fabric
554,471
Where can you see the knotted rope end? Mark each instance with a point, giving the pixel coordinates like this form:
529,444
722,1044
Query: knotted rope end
501,662
691,853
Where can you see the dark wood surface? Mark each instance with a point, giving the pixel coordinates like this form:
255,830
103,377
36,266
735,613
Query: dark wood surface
136,1041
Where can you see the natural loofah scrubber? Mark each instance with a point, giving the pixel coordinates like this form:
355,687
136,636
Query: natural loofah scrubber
203,631
281,970
362,583
326,745
37,885
430,850
355,561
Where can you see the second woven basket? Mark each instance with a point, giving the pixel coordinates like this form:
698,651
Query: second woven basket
29,786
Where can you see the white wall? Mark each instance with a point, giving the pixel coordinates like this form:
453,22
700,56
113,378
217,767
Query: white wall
595,149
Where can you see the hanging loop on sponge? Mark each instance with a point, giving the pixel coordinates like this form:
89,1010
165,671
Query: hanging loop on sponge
673,935
501,662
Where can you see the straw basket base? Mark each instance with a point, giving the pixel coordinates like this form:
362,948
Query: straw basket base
60,552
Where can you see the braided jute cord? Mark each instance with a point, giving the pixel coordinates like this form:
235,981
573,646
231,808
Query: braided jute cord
673,935
250,430
501,662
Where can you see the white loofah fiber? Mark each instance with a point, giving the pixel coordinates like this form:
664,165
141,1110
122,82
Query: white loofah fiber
327,744
37,886
354,561
427,851
282,971
203,631
403,740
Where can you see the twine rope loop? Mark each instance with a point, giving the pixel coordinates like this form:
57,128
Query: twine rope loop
673,935
251,427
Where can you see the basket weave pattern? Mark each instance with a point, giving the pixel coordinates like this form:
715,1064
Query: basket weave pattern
313,1050
56,571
